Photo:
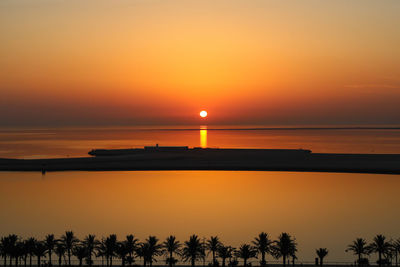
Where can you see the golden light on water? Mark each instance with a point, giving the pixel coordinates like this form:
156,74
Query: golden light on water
203,136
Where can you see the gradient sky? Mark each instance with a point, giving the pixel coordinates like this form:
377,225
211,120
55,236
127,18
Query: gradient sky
161,62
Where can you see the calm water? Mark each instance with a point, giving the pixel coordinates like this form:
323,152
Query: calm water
319,209
40,143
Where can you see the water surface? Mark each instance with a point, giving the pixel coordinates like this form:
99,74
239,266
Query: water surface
77,142
319,209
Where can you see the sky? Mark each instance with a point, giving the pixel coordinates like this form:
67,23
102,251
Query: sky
158,62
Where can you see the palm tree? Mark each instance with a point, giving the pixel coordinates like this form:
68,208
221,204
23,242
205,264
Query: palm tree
60,252
193,250
11,247
80,252
143,252
171,246
225,252
101,251
50,242
359,248
396,249
4,243
40,251
131,245
321,253
380,246
263,245
246,252
90,244
20,252
212,245
30,247
122,251
69,240
25,251
154,248
284,247
110,248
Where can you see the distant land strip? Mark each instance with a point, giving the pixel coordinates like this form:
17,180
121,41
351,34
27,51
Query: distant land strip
216,159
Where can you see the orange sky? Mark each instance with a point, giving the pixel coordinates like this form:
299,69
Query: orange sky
161,62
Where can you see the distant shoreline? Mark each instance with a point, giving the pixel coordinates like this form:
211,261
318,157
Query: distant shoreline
216,160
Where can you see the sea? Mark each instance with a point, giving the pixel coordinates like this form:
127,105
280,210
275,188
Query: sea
320,210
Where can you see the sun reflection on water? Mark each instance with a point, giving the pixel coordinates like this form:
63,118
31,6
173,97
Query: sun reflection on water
203,136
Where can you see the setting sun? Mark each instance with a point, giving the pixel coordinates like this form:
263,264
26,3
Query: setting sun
203,113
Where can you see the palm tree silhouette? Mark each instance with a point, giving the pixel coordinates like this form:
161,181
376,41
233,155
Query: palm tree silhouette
4,243
122,251
69,240
143,252
246,252
50,242
60,252
24,251
171,246
11,247
321,253
101,251
30,247
80,253
212,245
284,247
359,248
225,252
263,245
193,250
380,246
40,251
131,245
90,244
110,248
396,249
154,248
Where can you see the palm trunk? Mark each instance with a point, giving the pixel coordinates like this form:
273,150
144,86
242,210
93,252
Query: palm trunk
284,260
30,260
244,262
50,264
380,259
38,261
213,254
25,260
170,259
263,258
321,261
10,261
59,260
193,260
69,257
110,261
107,261
5,260
80,262
223,262
16,261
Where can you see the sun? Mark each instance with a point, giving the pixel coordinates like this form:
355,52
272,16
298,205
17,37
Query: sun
203,113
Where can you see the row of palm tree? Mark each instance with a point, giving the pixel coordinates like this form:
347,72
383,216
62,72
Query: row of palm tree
21,251
18,251
385,249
